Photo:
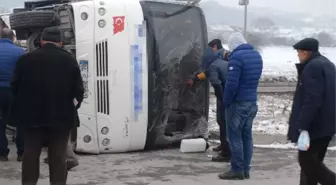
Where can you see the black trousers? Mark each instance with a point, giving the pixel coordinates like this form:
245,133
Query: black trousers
222,128
56,140
313,171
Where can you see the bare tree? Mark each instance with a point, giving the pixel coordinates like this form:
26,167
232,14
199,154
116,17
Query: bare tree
263,23
326,39
255,40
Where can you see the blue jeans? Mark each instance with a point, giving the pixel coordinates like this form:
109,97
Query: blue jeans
19,140
5,100
239,120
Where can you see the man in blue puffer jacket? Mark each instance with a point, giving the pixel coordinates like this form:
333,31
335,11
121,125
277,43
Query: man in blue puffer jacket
240,102
9,54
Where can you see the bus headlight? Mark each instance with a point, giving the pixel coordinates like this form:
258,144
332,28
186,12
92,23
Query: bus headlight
101,11
84,16
104,130
101,23
87,139
106,142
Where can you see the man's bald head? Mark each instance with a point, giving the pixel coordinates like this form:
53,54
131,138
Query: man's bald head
7,33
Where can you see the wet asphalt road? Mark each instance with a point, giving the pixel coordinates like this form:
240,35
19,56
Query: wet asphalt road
165,167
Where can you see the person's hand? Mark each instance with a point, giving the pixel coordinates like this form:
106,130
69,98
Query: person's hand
75,102
190,82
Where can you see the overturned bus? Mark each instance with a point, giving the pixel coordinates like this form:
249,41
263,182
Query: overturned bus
134,57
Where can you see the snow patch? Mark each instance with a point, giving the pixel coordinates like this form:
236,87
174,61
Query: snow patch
273,114
333,148
278,145
272,117
286,146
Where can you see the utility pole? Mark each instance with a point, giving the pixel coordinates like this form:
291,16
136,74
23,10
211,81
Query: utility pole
245,4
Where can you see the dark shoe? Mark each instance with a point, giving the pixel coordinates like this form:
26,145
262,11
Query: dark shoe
207,146
3,158
46,160
72,164
218,148
20,158
230,175
221,158
247,175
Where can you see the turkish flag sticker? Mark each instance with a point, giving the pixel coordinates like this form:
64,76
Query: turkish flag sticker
118,24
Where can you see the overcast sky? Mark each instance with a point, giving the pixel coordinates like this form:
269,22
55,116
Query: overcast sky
308,6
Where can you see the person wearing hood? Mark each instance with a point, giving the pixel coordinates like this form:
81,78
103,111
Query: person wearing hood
240,102
313,110
215,69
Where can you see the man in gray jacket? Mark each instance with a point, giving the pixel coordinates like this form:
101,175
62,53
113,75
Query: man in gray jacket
215,69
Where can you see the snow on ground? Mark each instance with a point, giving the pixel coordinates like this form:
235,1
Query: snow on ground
273,113
277,145
274,145
279,62
272,117
212,114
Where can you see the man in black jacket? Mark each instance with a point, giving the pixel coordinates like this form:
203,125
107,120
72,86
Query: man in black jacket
45,84
314,111
215,69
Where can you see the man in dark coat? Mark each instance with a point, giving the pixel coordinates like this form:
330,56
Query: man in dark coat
223,148
314,111
215,69
9,54
45,84
72,160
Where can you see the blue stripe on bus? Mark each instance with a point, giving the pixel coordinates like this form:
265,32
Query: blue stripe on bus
136,57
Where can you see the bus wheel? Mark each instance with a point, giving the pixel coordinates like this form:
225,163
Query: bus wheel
33,41
33,19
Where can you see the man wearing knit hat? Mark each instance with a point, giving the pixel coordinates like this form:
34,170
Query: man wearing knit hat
45,84
313,111
240,102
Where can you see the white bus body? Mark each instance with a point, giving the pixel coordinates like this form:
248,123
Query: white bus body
134,57
113,115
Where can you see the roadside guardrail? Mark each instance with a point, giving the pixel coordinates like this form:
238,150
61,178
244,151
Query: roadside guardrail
274,87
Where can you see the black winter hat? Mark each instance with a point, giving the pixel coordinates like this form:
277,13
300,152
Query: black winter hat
52,34
307,44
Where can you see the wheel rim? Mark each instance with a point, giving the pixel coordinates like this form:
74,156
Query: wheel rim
31,41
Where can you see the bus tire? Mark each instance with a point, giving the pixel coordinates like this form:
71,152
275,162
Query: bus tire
33,19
